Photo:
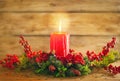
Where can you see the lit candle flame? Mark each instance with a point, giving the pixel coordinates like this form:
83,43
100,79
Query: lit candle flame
58,20
60,26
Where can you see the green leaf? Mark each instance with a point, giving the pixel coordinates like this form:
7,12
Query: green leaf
85,70
37,70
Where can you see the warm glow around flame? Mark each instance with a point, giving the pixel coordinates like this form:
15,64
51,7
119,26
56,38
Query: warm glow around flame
60,26
59,21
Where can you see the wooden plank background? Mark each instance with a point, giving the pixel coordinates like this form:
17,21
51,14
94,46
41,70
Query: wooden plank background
32,17
80,23
60,5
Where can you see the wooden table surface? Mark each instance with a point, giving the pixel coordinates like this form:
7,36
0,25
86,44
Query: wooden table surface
10,45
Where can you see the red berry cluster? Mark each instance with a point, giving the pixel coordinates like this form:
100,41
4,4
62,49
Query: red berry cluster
93,56
27,47
10,61
113,69
74,58
41,57
71,51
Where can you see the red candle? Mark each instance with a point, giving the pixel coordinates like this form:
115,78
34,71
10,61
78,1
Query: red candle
59,42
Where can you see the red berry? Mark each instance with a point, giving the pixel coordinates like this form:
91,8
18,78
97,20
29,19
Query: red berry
1,61
37,60
52,68
76,72
71,50
69,58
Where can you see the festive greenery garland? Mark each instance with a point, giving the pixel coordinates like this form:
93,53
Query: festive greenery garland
74,64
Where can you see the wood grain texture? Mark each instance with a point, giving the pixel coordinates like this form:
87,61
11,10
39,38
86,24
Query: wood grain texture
40,24
60,5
